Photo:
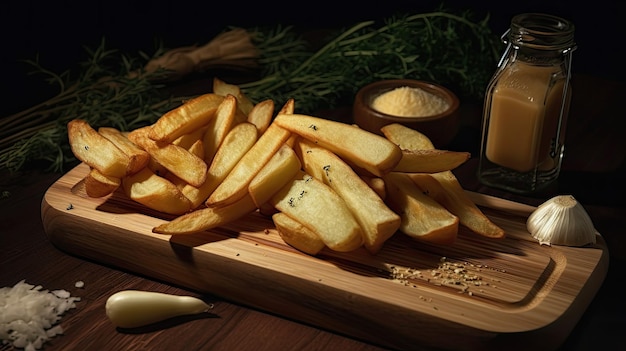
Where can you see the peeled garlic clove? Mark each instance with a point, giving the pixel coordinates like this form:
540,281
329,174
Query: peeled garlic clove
561,221
133,308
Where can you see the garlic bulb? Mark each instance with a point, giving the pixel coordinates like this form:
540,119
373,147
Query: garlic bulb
132,308
561,221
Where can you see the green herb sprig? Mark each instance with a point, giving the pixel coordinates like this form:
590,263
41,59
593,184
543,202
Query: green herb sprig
110,90
451,49
113,89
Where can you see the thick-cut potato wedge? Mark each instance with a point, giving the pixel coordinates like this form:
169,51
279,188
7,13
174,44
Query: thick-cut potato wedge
297,235
406,138
235,185
219,126
445,189
430,161
197,149
377,221
261,115
322,210
422,217
98,152
288,108
175,159
99,185
453,196
222,88
238,141
369,151
155,192
207,218
138,158
282,167
377,184
188,117
186,141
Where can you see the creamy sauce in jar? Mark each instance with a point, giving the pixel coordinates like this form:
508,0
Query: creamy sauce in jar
410,102
524,116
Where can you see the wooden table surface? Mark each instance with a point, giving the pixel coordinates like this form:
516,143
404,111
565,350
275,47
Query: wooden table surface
593,172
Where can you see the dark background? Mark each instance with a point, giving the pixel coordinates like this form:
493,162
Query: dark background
58,31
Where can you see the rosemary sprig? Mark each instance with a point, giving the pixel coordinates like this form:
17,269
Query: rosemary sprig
115,90
110,90
439,46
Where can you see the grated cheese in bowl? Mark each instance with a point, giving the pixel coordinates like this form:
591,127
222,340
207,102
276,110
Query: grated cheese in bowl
29,314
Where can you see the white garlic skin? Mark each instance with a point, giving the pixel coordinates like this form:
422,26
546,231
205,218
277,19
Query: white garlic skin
134,308
561,221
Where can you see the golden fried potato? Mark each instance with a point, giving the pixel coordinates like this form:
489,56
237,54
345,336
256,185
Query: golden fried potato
377,184
235,185
222,88
219,126
407,138
282,167
319,208
288,108
98,152
297,235
430,161
449,192
422,217
207,218
445,189
155,192
261,115
356,146
188,117
377,221
237,142
186,141
177,160
138,158
99,185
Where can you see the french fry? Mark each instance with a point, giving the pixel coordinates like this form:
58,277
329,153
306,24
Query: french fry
430,161
99,185
297,235
222,88
445,189
186,118
197,149
236,143
288,108
319,208
137,157
93,149
283,166
207,218
175,159
406,138
219,126
377,221
450,193
369,151
261,115
377,184
155,192
423,218
186,141
235,185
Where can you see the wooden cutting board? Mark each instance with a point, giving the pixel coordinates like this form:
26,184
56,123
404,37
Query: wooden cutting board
512,293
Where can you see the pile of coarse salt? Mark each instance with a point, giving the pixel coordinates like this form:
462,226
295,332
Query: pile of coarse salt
29,314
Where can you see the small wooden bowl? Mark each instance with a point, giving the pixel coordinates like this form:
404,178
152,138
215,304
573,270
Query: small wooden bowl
440,128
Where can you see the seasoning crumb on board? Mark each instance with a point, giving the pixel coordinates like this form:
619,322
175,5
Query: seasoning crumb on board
461,275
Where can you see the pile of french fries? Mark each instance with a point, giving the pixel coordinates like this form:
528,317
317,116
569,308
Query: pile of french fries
325,184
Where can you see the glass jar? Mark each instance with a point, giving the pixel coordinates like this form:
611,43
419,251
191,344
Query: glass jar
526,105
